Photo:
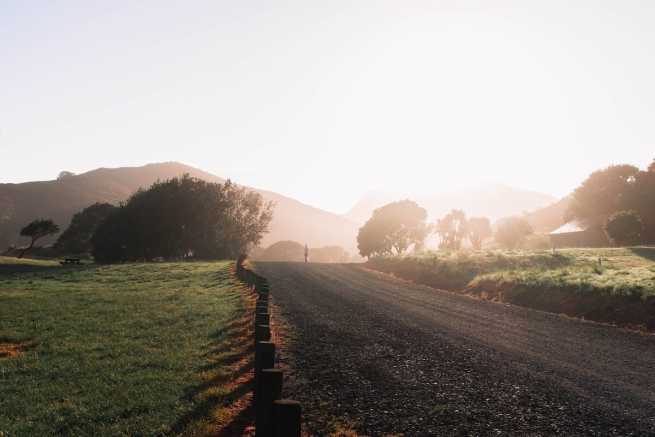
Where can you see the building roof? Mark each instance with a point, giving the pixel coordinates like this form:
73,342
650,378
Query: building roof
570,227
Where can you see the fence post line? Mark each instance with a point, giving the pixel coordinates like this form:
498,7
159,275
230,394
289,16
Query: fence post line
270,389
275,417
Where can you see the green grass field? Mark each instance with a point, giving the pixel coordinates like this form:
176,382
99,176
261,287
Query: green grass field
611,285
135,349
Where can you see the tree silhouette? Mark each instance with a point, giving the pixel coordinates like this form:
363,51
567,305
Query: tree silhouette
624,228
183,217
76,239
452,229
602,194
393,228
479,229
512,231
35,231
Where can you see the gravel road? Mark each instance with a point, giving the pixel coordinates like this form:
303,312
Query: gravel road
398,358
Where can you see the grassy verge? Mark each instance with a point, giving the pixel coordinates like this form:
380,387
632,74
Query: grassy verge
607,285
139,349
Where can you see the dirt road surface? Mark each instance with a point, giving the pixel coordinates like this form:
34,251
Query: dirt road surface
397,358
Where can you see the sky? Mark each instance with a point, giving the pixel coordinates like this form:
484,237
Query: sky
325,101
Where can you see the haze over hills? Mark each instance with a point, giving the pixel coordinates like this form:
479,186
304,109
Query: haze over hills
550,217
60,199
495,202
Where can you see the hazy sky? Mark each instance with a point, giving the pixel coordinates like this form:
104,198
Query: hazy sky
326,100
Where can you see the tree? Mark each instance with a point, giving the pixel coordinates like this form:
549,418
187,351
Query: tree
452,230
183,217
393,228
512,231
479,229
36,230
624,228
602,194
76,239
290,251
641,199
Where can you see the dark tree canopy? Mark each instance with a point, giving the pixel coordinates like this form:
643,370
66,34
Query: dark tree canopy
624,228
479,229
602,194
183,217
641,199
76,239
393,228
511,232
614,189
36,230
452,230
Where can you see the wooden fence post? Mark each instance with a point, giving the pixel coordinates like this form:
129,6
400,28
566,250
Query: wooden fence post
262,319
270,389
286,418
262,333
264,359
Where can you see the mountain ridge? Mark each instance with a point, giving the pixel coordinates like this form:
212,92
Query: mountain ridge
59,199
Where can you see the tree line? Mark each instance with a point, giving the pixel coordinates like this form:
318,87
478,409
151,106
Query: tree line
397,226
618,200
178,218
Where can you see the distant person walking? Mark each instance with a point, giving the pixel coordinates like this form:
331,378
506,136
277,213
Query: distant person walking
306,253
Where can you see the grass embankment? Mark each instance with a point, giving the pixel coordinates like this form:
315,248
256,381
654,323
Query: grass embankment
138,349
619,289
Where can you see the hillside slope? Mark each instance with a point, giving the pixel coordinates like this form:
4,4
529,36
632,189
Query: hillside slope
551,217
60,199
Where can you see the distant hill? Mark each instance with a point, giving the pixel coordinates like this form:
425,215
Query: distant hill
60,199
494,202
549,218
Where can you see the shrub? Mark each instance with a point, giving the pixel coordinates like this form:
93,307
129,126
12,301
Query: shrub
624,228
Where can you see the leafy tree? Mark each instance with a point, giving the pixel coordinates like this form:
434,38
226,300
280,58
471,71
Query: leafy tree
183,217
393,228
512,232
479,229
624,228
77,237
602,194
452,230
36,230
641,199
